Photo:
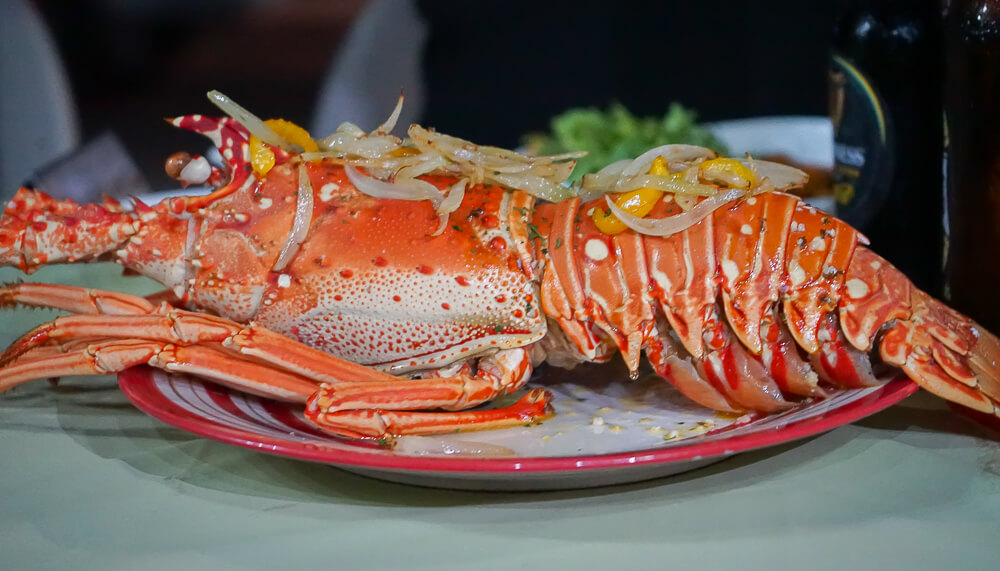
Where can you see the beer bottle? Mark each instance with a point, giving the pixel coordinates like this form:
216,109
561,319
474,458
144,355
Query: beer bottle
885,104
972,115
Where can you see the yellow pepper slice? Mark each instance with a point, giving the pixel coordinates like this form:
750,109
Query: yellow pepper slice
405,152
261,155
637,202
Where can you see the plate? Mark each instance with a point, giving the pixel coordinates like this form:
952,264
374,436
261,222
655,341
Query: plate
607,430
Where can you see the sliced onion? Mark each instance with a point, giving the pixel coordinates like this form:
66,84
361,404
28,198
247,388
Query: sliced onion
426,139
539,176
555,172
454,199
783,177
409,189
422,167
373,166
672,154
450,204
616,167
677,223
372,147
351,129
303,218
665,183
489,157
572,155
617,183
253,123
338,139
685,201
389,124
533,185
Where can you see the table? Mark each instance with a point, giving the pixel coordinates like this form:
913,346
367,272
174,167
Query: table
89,482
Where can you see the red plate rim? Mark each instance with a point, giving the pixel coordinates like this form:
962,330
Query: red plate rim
138,385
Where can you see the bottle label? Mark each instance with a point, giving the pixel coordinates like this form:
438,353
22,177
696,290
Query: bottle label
945,223
861,144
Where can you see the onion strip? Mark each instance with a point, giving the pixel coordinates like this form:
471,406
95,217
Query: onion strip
251,122
533,185
450,204
303,218
616,167
409,189
782,177
679,222
616,183
672,153
454,199
389,124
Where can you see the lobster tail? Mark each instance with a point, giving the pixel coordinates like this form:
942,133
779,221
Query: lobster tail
984,360
763,302
943,351
36,229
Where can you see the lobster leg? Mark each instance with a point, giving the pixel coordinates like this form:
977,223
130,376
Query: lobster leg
175,326
532,407
188,328
74,299
264,363
266,345
113,356
374,408
736,372
837,361
780,355
665,357
170,324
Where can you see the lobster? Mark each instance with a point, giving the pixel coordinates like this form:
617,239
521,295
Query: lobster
301,278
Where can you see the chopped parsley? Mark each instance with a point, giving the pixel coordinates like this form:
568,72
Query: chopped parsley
533,233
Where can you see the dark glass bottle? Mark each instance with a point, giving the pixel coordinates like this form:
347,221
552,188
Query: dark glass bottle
972,113
885,103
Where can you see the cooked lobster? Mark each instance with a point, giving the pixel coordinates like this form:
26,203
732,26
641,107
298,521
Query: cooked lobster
392,285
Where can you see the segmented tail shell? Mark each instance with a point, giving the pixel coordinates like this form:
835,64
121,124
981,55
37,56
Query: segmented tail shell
764,302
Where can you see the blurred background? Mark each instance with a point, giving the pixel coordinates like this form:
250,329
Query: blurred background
490,71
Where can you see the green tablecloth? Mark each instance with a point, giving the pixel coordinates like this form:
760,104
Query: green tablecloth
89,482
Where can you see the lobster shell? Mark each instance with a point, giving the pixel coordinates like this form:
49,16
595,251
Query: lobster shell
316,292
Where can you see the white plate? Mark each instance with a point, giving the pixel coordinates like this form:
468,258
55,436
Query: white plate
607,430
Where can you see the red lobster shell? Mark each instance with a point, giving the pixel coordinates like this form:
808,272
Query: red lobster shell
313,291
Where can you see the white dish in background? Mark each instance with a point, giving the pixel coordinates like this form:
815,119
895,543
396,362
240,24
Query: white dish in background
807,140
